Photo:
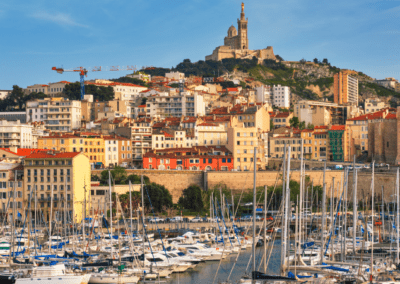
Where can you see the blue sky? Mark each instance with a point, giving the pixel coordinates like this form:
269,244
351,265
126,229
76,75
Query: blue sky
362,35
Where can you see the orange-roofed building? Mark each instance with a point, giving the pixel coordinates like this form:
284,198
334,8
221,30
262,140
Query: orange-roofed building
357,128
90,144
118,151
58,178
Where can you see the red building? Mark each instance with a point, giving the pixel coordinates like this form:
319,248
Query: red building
204,158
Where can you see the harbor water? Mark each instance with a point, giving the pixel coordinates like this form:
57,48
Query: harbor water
205,272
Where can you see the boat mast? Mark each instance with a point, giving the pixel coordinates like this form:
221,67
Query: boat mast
354,204
373,220
287,203
301,209
143,228
130,206
265,228
323,215
35,218
254,210
110,195
283,206
51,215
397,217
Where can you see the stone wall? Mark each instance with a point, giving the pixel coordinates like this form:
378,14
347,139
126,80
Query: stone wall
177,181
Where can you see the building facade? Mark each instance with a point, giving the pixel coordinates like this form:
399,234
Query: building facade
58,114
345,87
58,178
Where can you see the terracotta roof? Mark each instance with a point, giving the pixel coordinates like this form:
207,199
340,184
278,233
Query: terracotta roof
65,82
142,106
26,151
9,151
232,90
338,128
115,84
377,115
321,127
66,155
282,114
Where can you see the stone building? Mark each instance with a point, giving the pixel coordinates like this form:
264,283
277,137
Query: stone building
236,44
383,139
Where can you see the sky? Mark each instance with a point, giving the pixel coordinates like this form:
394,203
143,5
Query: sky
362,35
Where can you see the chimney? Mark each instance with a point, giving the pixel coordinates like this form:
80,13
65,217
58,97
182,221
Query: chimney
214,117
228,109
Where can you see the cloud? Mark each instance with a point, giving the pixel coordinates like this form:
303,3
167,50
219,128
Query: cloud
58,18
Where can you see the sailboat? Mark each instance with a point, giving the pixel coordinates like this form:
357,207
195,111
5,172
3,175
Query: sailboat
256,276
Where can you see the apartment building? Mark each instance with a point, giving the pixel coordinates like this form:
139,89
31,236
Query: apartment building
281,96
139,132
122,91
37,88
11,181
209,133
178,105
16,134
246,115
58,178
13,116
374,105
264,94
204,158
241,142
357,129
279,137
175,76
338,147
118,151
345,87
91,145
58,114
281,119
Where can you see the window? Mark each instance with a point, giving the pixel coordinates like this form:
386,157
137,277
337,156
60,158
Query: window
223,160
387,144
238,134
244,159
237,142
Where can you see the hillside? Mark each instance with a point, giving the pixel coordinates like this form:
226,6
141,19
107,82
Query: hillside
307,80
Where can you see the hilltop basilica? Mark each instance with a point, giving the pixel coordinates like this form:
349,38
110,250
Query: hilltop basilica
236,44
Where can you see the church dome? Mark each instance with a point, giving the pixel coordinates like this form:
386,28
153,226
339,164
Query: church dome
232,31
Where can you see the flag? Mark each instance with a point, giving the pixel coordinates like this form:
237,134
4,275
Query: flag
362,229
19,215
394,226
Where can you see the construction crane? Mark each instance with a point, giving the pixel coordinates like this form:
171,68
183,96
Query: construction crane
83,72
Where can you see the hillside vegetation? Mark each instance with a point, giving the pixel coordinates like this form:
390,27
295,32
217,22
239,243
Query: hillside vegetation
306,79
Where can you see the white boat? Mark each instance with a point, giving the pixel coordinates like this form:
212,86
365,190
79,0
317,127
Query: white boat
105,278
55,274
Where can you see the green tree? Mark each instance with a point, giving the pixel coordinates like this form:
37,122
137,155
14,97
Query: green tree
191,198
136,179
310,126
294,121
160,197
73,92
17,95
271,124
316,60
124,200
279,58
325,61
302,125
118,175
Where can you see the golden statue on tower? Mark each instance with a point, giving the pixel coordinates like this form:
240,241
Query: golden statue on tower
242,7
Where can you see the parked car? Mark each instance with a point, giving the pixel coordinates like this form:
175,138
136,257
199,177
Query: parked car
213,220
156,220
176,219
196,220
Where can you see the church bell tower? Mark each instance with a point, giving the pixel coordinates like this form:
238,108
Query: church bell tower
243,42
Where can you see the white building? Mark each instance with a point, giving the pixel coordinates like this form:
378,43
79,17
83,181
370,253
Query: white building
37,88
175,75
20,135
141,76
281,96
111,151
4,94
58,114
373,105
184,104
122,91
264,94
